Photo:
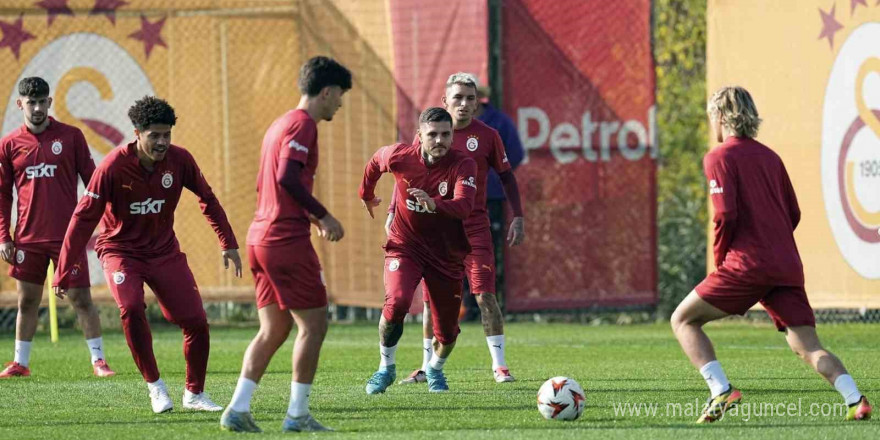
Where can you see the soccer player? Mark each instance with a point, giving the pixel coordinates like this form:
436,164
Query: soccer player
42,159
134,193
427,240
289,281
481,142
756,258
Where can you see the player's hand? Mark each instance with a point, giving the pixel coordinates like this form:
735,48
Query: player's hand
388,223
7,251
330,228
517,232
370,204
422,198
60,292
232,254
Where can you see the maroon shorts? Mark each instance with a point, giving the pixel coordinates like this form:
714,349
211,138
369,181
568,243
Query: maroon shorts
288,275
480,263
787,305
31,262
169,278
402,275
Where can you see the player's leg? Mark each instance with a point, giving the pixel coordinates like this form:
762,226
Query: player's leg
720,295
480,269
791,312
125,278
402,275
81,299
418,375
172,282
29,271
444,293
311,328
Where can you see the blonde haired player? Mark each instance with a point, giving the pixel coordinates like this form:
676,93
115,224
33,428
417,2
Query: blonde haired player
756,258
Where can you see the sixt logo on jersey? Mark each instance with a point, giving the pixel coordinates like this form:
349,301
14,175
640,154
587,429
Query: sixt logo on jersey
41,170
413,206
148,206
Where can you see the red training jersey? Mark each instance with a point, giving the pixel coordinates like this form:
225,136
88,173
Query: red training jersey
482,143
438,238
43,168
756,212
136,208
279,219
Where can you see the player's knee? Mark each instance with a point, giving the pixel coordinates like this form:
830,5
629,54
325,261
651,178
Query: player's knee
446,336
82,301
133,311
194,324
28,303
488,303
395,313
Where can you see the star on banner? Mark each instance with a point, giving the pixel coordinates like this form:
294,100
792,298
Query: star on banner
54,8
854,3
14,35
829,26
108,8
150,34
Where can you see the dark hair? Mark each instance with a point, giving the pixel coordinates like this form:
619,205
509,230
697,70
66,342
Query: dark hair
151,110
320,72
33,87
435,114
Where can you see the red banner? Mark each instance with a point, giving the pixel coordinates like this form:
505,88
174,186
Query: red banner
579,82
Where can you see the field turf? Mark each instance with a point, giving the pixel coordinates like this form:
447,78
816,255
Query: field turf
624,369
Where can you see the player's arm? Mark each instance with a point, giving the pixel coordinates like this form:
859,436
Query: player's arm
377,165
288,177
794,210
194,181
85,218
462,202
392,207
85,165
499,161
7,247
723,195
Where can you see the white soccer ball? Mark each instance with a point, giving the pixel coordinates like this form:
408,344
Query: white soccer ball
561,398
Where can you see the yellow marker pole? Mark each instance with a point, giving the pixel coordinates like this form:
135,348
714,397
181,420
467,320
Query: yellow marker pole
53,308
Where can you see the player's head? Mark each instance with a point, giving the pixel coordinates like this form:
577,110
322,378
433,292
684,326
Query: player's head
732,111
460,98
323,80
152,119
435,132
33,100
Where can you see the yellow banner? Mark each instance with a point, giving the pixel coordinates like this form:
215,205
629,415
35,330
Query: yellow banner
229,68
813,68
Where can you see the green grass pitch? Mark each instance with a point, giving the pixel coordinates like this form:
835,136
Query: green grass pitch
617,365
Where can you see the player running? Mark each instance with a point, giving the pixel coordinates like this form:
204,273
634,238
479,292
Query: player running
482,143
756,258
41,160
134,193
288,276
437,185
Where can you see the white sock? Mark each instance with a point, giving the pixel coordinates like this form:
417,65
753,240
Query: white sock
22,353
496,349
386,356
437,362
428,346
846,386
159,384
96,348
715,378
241,398
299,399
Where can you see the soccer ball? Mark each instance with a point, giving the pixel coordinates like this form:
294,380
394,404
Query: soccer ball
561,398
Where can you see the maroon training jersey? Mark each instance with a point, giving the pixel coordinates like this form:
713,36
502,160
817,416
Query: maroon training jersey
43,168
438,237
136,208
279,219
756,212
482,143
